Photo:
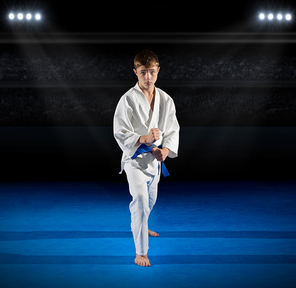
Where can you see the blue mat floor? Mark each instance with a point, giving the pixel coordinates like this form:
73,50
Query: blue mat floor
212,234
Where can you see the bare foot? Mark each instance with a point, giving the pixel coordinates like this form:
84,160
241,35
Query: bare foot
152,233
142,261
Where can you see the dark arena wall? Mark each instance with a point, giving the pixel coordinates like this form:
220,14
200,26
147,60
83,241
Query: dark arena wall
235,103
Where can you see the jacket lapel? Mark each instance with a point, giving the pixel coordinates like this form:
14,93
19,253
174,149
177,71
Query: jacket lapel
155,112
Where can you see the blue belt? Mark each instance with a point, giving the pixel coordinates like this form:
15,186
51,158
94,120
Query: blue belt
144,148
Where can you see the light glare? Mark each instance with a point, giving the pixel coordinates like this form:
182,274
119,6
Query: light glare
262,16
270,16
279,16
20,16
288,17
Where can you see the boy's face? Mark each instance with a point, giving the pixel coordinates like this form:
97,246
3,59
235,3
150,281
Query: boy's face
147,76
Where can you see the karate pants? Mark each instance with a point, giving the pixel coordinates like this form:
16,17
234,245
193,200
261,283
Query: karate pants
143,189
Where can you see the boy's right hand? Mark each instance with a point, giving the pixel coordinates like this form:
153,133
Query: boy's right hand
153,136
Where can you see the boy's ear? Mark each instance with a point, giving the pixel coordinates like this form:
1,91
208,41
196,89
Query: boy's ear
135,71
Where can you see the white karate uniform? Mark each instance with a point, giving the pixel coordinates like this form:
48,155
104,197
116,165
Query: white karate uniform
134,118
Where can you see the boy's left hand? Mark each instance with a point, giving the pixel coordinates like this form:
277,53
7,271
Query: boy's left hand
160,154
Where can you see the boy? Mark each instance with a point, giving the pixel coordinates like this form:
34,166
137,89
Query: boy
145,118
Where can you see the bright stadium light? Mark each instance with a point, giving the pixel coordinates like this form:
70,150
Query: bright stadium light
27,15
275,15
288,17
20,16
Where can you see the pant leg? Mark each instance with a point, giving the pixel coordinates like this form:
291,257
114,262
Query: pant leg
139,207
153,190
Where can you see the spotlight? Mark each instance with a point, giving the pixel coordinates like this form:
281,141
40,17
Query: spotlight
288,17
270,16
29,16
279,16
261,16
20,16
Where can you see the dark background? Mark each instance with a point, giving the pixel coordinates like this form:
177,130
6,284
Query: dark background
60,81
151,16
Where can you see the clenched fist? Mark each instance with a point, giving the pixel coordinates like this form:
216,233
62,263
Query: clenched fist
160,154
152,136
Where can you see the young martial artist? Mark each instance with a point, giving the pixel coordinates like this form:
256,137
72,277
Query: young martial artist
146,129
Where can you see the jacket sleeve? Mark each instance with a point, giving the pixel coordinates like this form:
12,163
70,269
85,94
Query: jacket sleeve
171,133
123,129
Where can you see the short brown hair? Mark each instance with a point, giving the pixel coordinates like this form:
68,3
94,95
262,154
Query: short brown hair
146,58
